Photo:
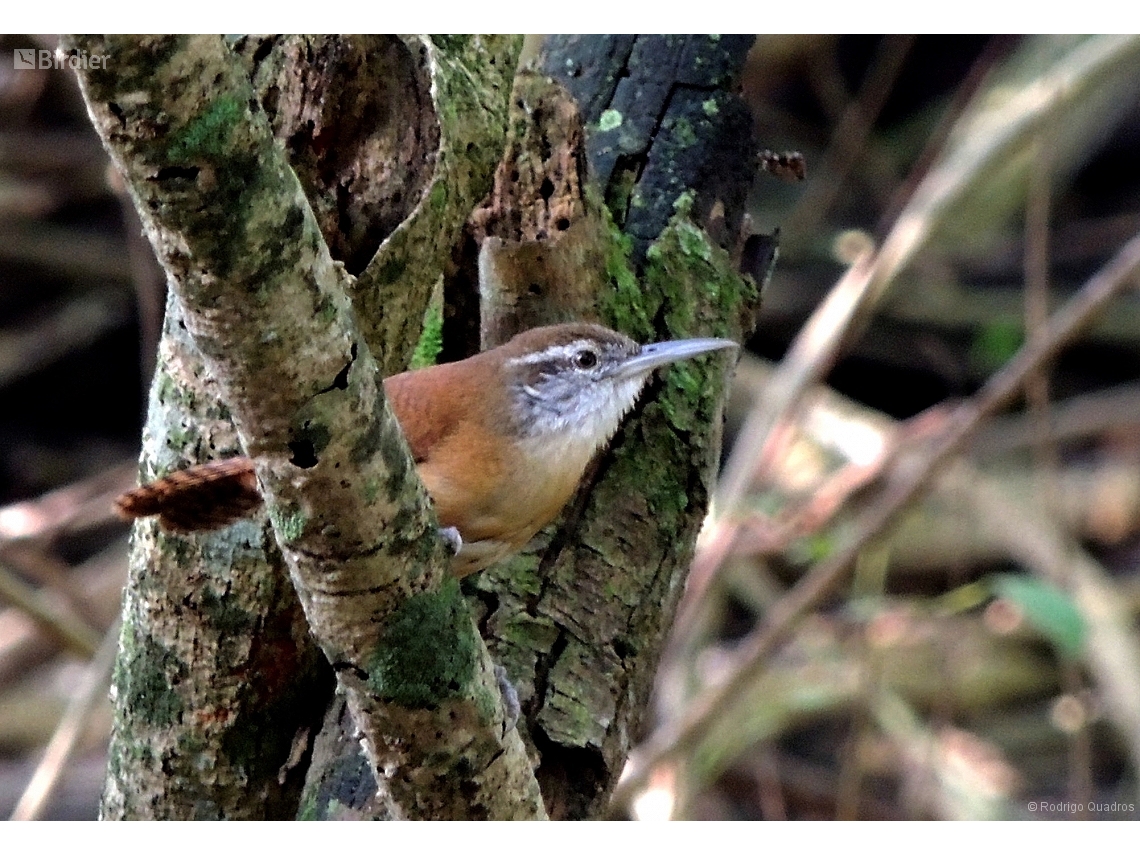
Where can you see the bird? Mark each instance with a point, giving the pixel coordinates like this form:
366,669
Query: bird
500,439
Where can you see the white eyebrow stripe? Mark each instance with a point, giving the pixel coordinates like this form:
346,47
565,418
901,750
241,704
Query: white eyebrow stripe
554,352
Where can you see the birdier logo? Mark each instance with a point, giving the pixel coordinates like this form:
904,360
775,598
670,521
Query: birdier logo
31,59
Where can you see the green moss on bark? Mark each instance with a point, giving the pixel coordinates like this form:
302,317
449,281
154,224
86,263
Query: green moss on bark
624,306
146,674
431,339
701,295
208,134
289,526
428,651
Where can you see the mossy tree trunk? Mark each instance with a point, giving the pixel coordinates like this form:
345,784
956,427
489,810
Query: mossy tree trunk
216,692
620,200
293,282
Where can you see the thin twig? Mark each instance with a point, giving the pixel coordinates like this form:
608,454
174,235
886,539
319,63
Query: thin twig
70,629
37,794
1004,521
1037,215
1078,417
862,287
24,645
1037,209
81,503
70,327
1112,654
847,142
770,793
958,775
683,734
90,256
855,297
993,53
38,564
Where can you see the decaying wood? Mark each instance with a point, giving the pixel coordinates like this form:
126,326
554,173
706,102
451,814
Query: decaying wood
578,623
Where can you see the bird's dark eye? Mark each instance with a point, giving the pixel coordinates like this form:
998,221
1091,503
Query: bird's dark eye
585,359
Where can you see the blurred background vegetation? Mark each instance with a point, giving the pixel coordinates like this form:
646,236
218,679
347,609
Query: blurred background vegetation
979,656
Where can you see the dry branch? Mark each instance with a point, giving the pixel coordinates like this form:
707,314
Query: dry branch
751,660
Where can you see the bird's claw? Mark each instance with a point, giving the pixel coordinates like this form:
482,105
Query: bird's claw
452,538
511,705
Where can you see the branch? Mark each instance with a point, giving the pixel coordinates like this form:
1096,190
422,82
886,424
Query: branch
755,651
268,309
579,622
87,694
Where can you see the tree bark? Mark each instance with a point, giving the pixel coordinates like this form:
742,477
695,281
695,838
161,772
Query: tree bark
267,307
291,287
579,621
218,682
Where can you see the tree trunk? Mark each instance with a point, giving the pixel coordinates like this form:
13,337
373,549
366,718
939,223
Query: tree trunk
266,307
580,620
293,283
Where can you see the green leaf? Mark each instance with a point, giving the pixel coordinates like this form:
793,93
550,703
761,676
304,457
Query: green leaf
431,338
1047,608
995,343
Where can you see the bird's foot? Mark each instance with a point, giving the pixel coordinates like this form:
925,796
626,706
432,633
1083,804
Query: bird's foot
511,705
452,538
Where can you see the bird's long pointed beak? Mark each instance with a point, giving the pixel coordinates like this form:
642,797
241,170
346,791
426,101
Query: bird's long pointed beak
664,352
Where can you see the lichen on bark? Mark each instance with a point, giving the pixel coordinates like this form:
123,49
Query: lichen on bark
579,623
292,335
268,310
195,742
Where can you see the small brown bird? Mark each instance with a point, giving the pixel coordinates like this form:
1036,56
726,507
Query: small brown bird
500,440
